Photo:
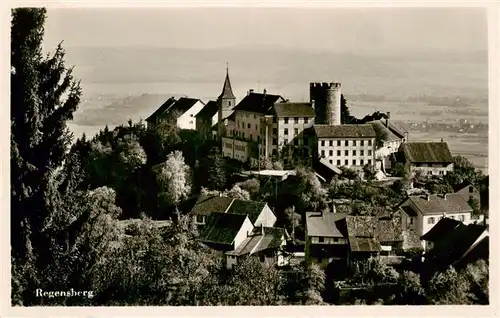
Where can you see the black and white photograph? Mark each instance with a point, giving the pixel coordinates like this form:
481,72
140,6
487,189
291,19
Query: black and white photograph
249,156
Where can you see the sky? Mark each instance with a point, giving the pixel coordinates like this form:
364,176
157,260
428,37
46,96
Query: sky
324,29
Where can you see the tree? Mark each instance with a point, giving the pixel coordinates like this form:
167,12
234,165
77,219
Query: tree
448,288
369,172
44,96
235,192
174,178
410,291
213,170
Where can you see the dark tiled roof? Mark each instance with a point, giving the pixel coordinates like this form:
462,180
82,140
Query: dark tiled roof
227,91
183,104
257,103
325,224
161,110
361,226
209,110
207,205
389,230
222,227
410,211
384,133
397,129
443,227
345,131
427,152
364,244
294,110
454,203
244,207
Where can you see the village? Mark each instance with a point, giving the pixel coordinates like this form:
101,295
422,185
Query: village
427,228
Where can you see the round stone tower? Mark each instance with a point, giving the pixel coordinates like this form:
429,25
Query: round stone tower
325,98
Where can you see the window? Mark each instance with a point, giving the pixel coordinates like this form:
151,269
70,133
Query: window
336,239
321,239
338,153
261,131
306,120
461,218
354,162
347,162
347,143
338,143
286,120
251,137
200,219
243,125
254,117
369,152
441,172
285,142
411,220
296,120
331,162
354,142
256,127
275,141
346,152
430,220
322,153
275,131
362,142
248,125
338,162
429,172
331,143
354,152
296,131
369,142
322,143
369,161
190,121
229,103
362,162
286,131
471,189
362,153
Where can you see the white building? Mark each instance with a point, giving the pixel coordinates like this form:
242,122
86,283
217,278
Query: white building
421,213
351,146
430,158
182,110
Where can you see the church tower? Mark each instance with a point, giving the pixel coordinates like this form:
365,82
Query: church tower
226,102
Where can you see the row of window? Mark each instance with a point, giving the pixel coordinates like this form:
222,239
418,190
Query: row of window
322,239
354,162
346,153
432,219
346,143
296,120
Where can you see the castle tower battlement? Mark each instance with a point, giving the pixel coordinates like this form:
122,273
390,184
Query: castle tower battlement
326,97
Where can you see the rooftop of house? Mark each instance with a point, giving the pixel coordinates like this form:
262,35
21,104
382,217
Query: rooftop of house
246,207
439,204
381,229
209,110
464,184
258,102
206,205
364,244
222,228
262,238
162,109
294,110
383,131
325,224
426,152
445,225
397,129
345,131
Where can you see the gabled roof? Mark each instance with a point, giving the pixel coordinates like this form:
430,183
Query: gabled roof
257,102
162,109
364,244
462,185
183,105
207,205
361,226
222,227
409,210
325,224
209,110
271,238
246,207
227,91
453,203
427,152
344,131
397,129
385,133
294,110
443,227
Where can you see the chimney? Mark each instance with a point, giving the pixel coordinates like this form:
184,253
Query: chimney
250,91
264,92
387,119
442,140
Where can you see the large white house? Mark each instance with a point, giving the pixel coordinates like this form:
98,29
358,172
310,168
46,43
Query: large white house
421,213
182,110
430,158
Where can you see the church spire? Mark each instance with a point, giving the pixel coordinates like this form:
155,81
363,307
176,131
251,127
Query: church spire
227,91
